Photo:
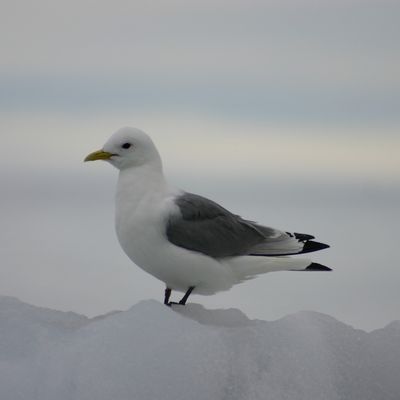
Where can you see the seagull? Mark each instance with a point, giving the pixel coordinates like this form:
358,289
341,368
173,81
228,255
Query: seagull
187,241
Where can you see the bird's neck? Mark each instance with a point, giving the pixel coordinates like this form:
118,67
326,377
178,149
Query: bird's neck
141,184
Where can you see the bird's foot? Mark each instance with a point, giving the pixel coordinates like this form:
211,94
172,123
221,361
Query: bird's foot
182,302
171,303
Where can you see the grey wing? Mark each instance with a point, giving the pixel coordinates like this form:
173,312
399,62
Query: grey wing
204,226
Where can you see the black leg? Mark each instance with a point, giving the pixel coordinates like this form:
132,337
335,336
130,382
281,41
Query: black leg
186,296
167,296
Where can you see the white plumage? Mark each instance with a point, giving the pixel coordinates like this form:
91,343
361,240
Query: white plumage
146,204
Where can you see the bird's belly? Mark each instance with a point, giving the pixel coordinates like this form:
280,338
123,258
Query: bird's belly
146,245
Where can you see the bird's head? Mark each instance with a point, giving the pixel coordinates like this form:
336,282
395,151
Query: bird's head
128,147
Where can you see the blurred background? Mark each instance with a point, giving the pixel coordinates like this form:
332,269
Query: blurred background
286,112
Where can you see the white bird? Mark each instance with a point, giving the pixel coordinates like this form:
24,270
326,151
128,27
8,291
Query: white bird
190,243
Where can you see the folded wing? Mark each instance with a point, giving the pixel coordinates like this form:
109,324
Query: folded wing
204,226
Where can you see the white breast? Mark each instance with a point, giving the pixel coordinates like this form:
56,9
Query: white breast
141,200
143,204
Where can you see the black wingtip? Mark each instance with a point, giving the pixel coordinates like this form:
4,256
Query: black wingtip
303,236
317,267
311,246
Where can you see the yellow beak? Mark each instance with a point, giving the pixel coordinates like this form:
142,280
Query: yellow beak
98,155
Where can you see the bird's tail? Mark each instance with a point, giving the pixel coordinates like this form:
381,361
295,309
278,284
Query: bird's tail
247,267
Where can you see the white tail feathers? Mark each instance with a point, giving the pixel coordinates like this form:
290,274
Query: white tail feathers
247,267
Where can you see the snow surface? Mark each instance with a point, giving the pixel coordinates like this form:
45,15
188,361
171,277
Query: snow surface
154,352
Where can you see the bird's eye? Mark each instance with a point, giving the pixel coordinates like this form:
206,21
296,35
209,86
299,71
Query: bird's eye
126,145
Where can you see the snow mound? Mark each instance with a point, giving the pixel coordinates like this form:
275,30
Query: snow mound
154,352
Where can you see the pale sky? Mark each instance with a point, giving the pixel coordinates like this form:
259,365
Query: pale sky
287,112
